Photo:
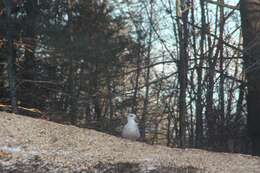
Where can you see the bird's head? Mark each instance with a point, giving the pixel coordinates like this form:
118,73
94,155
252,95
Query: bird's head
131,117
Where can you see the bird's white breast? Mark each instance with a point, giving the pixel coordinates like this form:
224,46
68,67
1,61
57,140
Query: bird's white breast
131,131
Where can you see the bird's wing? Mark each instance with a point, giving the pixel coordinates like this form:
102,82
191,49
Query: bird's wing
125,131
137,131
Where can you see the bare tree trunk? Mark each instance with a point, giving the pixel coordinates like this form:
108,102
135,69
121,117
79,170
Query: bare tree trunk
147,75
183,70
110,99
169,132
211,113
96,94
71,80
222,79
12,72
250,15
12,57
146,97
199,107
29,58
138,71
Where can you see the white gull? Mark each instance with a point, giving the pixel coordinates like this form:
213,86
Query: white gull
131,130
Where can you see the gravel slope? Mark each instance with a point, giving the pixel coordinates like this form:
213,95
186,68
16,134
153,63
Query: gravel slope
52,147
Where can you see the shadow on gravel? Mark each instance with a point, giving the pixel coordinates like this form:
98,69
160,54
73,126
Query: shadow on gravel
36,165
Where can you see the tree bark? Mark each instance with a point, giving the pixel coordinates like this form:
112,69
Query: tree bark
221,131
199,107
147,62
12,57
183,70
138,71
72,101
250,16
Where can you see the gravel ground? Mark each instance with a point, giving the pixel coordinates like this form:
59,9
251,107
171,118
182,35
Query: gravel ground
44,146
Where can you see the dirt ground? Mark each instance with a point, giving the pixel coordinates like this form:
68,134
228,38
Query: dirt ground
64,148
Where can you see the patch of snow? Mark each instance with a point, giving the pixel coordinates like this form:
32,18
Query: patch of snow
10,149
